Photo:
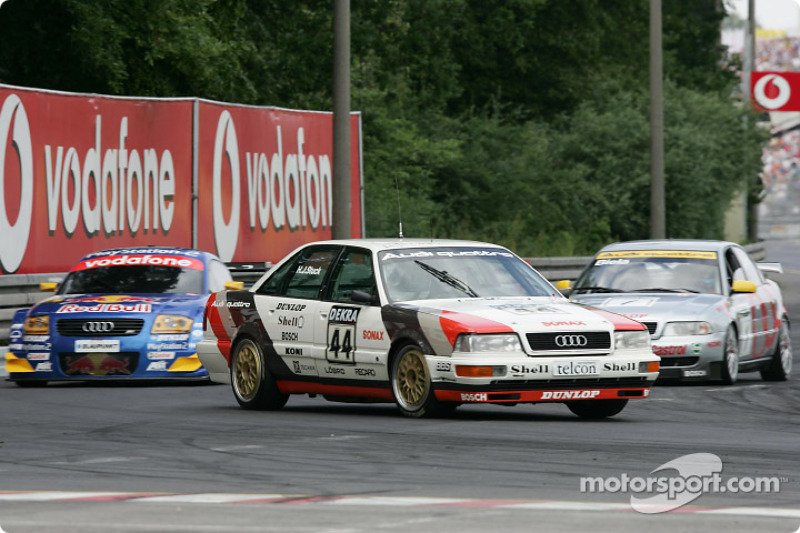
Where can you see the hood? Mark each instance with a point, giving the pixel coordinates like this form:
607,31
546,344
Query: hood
75,304
653,306
524,314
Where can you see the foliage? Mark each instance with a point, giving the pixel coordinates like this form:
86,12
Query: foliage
524,122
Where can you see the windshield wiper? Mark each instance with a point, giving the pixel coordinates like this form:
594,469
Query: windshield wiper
443,276
596,289
661,289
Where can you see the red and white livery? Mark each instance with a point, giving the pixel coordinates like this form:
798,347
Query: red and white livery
427,324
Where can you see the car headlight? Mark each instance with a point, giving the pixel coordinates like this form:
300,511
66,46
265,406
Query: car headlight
686,328
171,324
632,340
37,325
495,342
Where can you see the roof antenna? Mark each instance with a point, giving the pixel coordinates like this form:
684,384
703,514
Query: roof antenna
399,214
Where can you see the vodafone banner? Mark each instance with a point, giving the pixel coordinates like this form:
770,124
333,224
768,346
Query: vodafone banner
775,91
265,180
81,173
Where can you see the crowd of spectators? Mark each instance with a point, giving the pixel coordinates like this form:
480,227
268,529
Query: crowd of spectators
781,155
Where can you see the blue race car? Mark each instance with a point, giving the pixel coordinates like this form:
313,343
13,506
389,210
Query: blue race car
125,313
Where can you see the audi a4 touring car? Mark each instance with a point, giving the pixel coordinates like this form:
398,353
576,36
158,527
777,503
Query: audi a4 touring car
426,324
711,312
127,313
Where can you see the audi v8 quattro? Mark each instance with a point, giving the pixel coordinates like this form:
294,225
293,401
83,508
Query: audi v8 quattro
428,325
711,312
128,313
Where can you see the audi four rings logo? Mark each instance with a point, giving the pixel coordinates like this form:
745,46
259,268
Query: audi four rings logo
571,341
98,327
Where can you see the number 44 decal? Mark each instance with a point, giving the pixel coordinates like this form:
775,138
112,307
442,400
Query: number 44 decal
341,343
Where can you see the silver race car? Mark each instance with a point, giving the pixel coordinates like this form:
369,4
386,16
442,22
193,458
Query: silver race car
709,309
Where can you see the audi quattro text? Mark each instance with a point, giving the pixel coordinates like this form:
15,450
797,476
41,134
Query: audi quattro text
127,313
426,324
711,312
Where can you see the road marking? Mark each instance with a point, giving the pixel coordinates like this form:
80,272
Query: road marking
389,501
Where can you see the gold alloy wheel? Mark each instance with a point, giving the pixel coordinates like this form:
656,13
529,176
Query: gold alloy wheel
412,381
247,371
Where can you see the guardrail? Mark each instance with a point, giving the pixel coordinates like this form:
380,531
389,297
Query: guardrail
22,290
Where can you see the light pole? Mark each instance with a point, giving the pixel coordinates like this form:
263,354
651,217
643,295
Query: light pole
657,209
342,205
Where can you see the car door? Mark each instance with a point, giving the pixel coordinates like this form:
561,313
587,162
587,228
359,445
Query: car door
755,313
350,338
288,303
764,308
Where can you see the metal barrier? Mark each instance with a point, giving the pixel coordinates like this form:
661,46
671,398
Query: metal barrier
22,290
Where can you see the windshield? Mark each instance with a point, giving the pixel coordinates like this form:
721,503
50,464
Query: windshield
652,271
134,279
432,273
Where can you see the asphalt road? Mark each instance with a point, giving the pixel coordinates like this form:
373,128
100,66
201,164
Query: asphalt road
79,458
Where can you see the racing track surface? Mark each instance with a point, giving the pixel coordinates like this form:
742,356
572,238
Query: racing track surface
185,458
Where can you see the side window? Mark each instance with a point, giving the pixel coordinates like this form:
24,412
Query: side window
218,275
354,272
303,275
734,269
275,282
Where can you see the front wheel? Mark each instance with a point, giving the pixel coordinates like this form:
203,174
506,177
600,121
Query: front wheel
780,366
597,409
252,382
730,359
411,384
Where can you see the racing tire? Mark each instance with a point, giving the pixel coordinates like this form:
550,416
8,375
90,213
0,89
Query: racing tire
252,383
780,365
597,409
730,357
411,384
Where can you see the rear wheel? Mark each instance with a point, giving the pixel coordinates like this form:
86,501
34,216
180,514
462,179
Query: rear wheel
411,384
597,409
780,366
252,383
730,359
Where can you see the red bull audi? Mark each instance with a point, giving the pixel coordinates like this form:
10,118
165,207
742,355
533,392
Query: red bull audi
426,324
126,313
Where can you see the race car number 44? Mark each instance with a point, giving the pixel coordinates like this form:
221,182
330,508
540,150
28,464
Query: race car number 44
576,368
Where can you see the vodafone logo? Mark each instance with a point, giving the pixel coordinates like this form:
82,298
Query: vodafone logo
14,234
771,83
226,144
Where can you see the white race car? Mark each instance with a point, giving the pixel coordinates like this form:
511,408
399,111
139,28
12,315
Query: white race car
427,324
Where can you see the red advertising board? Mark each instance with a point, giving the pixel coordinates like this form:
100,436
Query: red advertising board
266,180
775,91
81,173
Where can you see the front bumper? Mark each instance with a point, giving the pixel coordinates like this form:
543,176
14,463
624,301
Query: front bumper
696,357
540,379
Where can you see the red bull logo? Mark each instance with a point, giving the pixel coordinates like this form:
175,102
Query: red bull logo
106,308
95,365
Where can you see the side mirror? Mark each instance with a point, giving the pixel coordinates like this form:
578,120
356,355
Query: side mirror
234,285
743,286
362,297
48,286
564,286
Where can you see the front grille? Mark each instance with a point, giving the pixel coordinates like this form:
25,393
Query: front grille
99,327
569,342
651,327
678,361
98,364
